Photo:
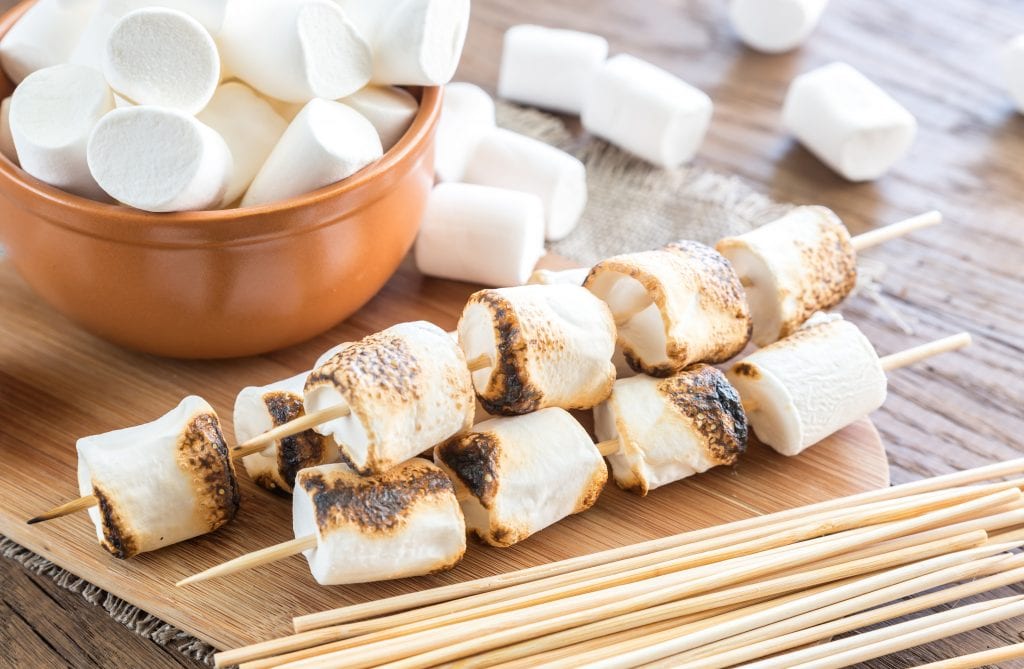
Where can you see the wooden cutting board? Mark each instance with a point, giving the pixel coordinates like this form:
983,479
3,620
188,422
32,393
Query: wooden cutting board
58,383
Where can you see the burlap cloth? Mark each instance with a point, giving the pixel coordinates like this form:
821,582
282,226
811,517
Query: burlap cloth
632,206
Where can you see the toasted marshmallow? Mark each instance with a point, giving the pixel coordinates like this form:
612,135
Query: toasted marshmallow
1013,69
44,36
407,389
775,26
516,476
159,483
791,268
676,306
565,277
405,522
809,385
670,429
391,110
467,114
6,139
548,346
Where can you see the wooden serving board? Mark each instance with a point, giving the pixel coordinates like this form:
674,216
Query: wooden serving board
58,383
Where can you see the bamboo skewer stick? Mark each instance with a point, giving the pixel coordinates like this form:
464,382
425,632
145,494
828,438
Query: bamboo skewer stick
256,558
924,351
980,659
74,506
889,232
292,427
482,361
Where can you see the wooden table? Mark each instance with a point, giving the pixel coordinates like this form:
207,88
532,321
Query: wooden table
940,59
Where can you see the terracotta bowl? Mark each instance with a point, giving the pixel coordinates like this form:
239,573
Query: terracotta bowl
219,284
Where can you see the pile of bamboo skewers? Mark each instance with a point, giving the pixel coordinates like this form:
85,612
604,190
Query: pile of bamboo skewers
734,594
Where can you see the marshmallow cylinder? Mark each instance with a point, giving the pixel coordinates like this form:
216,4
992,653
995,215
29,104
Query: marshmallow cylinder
294,50
325,143
44,36
453,244
505,159
405,522
6,139
809,385
548,346
676,306
550,68
516,476
564,277
775,26
670,429
159,483
848,122
407,389
158,159
792,268
391,111
647,111
1013,69
467,114
250,127
53,113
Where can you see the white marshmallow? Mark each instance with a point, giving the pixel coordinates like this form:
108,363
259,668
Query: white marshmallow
164,57
774,26
550,68
325,143
479,234
251,128
53,113
159,159
647,111
294,50
848,122
565,277
44,36
1013,70
506,159
467,114
6,140
390,110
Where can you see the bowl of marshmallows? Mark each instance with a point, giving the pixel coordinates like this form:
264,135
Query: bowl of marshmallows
218,178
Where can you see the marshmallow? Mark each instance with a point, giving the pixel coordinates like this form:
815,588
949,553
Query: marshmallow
147,45
565,277
44,36
849,123
506,159
647,111
159,159
6,140
53,113
159,483
250,127
1013,69
294,50
791,268
549,68
467,114
774,26
483,235
325,143
390,110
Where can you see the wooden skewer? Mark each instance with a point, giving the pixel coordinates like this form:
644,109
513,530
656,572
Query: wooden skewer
609,447
292,427
981,659
254,559
894,230
67,508
924,351
482,361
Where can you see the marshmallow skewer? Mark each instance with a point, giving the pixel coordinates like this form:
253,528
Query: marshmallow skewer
886,233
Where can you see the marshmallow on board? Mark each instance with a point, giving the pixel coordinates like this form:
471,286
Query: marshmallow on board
506,159
250,127
294,50
516,476
467,114
774,26
400,523
1013,70
390,110
44,36
159,159
327,142
647,111
53,113
564,277
548,67
6,140
809,385
452,244
159,483
848,122
145,45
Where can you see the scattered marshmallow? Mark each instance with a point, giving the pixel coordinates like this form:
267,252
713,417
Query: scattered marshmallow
647,111
774,26
479,234
44,36
1013,67
327,142
251,128
53,112
506,159
159,159
467,114
146,46
550,68
848,122
6,140
294,50
390,110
